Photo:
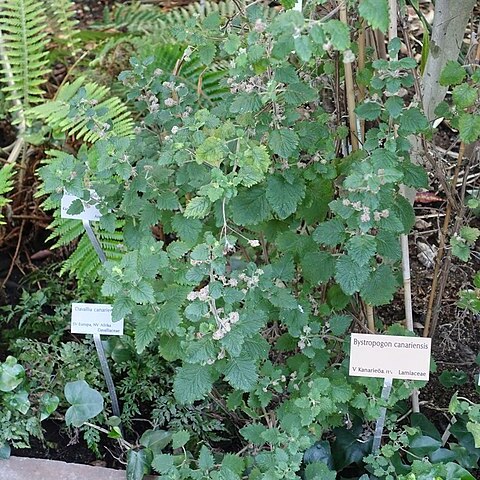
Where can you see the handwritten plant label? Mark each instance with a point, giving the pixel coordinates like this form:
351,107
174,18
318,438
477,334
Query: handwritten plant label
90,212
94,318
390,356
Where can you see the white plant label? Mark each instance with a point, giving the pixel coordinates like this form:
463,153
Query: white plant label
90,212
390,356
94,318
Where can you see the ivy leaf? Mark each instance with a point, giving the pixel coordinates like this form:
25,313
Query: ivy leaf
197,207
452,74
369,110
474,429
362,248
180,439
250,206
330,233
380,287
138,464
284,196
11,374
375,12
85,402
350,275
192,382
283,142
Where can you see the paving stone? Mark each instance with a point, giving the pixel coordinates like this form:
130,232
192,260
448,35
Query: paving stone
20,468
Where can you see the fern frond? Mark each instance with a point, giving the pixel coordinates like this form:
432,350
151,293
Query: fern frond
61,17
6,184
56,113
24,43
84,263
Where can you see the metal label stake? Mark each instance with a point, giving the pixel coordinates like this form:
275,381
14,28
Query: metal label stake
96,337
377,439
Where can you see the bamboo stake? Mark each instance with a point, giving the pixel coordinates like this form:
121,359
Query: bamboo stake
407,283
350,92
352,120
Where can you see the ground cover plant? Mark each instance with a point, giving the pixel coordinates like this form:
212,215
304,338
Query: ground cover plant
253,214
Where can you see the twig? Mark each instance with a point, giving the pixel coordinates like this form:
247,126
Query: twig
14,258
441,247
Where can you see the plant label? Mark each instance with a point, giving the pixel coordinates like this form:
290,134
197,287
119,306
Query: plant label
94,318
90,212
390,356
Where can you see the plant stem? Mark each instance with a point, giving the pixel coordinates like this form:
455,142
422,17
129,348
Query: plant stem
349,86
441,246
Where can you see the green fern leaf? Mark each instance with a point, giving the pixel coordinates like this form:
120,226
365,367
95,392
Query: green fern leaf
22,24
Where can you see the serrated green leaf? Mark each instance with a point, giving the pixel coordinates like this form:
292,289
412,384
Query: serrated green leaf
394,106
338,33
211,151
375,12
206,53
142,293
283,142
299,93
197,207
470,234
369,110
145,332
464,95
330,233
250,206
303,47
361,248
460,249
241,373
350,275
339,324
283,196
380,287
452,74
205,459
192,382
413,121
469,127
414,175
318,267
388,245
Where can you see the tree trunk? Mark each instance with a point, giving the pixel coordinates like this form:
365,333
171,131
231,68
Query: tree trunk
449,24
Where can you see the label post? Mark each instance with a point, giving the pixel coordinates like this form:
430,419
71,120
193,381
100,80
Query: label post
389,357
91,213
